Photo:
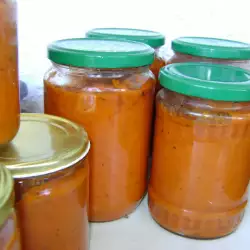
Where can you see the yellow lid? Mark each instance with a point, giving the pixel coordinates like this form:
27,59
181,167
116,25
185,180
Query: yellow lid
44,144
6,189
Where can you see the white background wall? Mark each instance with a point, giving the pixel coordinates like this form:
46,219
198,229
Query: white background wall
42,21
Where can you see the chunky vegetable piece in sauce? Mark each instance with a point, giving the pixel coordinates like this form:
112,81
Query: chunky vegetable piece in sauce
9,87
200,165
53,210
116,113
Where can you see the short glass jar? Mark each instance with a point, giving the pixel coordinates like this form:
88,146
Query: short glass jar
9,87
48,161
154,39
107,87
213,50
200,170
9,233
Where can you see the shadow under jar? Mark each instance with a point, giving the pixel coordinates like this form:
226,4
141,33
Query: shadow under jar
9,234
154,39
48,161
213,50
200,170
9,85
106,86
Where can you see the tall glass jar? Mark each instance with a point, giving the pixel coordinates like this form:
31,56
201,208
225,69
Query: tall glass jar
9,233
106,86
154,39
200,170
48,161
9,86
213,50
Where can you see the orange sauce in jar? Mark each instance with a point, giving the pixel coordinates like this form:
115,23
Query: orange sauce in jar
9,87
158,63
51,182
112,113
200,171
53,210
106,86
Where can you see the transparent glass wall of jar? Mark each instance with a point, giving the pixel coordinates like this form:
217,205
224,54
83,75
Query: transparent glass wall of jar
50,171
9,86
107,87
152,38
115,107
200,169
53,210
158,63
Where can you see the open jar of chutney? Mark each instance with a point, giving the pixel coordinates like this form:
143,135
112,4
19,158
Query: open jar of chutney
213,50
152,38
200,170
48,161
9,233
107,87
9,85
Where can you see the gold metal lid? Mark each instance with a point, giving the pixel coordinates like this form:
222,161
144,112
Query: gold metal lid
44,144
6,190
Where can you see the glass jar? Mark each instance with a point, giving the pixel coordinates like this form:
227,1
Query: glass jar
213,50
107,87
9,87
154,39
48,161
200,170
9,234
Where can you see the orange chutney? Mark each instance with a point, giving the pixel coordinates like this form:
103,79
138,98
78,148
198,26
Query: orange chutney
9,233
9,86
155,67
43,226
154,39
51,182
200,170
115,107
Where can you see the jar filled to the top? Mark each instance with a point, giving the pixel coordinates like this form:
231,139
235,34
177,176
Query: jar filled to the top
9,233
200,169
107,87
48,161
205,49
9,86
154,39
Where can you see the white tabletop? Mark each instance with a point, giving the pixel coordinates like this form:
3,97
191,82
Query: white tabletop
141,232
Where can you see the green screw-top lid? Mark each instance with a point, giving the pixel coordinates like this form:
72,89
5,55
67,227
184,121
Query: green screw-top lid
212,48
208,81
6,198
98,53
151,38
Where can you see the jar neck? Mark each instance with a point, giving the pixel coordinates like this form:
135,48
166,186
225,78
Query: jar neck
64,69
